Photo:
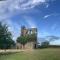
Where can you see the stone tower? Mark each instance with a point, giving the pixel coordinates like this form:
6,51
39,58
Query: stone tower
34,32
24,31
30,31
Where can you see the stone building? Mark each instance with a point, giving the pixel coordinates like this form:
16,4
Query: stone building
29,31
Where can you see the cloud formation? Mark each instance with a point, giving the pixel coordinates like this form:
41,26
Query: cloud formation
52,14
9,8
46,16
30,22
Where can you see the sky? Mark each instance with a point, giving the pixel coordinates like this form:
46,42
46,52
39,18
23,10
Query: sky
41,14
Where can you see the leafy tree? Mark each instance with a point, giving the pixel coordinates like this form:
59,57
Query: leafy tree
5,37
52,38
45,44
22,40
32,37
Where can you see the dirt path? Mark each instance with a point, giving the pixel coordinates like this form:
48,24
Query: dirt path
14,50
10,50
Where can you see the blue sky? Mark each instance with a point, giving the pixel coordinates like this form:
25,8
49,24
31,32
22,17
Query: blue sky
42,14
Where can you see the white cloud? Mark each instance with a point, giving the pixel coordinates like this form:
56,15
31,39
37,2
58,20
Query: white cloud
30,22
47,5
10,7
46,16
52,14
56,42
21,4
29,3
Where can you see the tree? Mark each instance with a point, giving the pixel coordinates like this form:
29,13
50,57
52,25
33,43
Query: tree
32,37
45,44
5,37
22,40
52,38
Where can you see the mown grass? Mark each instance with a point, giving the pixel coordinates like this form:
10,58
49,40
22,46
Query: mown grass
38,54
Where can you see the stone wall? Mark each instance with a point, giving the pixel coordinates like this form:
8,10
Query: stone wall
29,45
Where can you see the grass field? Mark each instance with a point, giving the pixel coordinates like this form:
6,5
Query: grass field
39,54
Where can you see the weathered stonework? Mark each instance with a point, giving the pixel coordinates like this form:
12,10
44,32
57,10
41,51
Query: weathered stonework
24,32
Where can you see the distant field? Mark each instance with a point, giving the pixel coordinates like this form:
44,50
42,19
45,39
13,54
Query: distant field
38,54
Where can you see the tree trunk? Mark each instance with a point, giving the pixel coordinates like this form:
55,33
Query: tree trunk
23,46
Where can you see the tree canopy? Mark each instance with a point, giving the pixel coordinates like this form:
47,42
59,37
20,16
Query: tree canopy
45,44
5,37
22,39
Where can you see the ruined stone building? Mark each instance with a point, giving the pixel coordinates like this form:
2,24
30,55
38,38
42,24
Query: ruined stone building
29,31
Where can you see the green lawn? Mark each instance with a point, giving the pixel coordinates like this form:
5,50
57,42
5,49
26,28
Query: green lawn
40,54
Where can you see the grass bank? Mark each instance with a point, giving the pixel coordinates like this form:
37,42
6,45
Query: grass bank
38,54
